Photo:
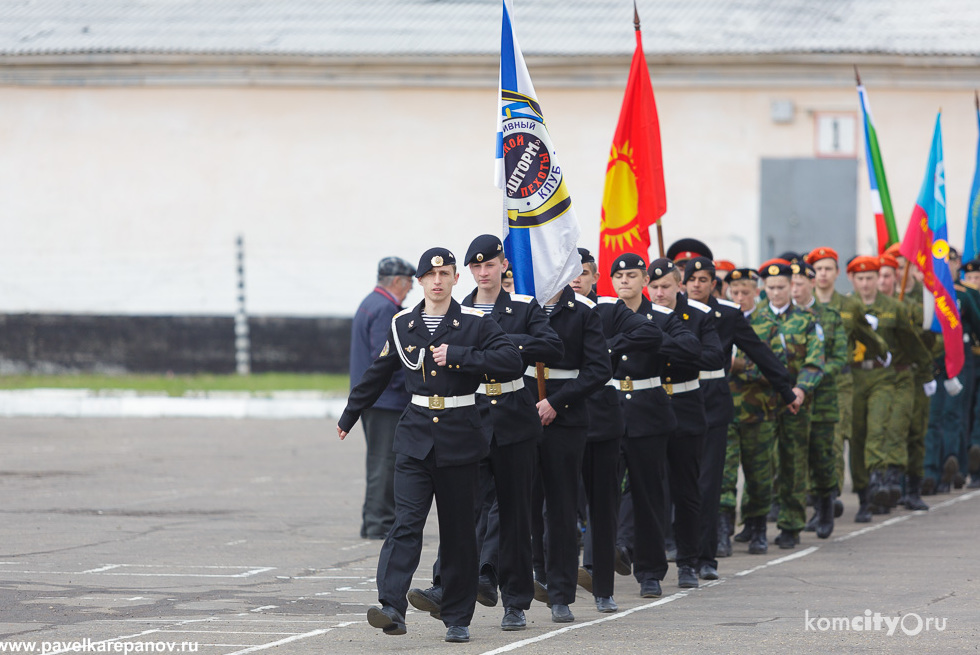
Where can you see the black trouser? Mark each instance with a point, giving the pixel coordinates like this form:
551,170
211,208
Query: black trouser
378,512
712,470
601,475
684,471
646,459
560,464
454,489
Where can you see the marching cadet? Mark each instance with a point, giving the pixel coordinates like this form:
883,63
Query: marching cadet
824,413
733,329
797,339
971,281
651,426
510,420
682,383
584,368
447,351
626,332
860,336
877,454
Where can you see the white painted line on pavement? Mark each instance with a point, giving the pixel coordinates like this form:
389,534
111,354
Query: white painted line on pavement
104,568
876,526
780,560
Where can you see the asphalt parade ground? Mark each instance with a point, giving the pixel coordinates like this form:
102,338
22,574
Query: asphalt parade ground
228,537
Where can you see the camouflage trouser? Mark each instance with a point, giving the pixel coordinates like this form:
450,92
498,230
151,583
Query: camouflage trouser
899,420
822,465
916,444
845,400
792,439
752,444
872,403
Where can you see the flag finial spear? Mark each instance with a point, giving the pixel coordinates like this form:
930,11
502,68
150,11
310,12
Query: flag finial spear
976,100
857,76
636,17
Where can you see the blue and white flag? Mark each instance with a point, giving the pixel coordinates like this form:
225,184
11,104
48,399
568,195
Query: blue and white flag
971,246
540,229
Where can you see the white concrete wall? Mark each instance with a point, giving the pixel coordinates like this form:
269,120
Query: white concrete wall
128,200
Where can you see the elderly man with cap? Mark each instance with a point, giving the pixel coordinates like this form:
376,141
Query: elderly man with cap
652,442
797,339
446,351
733,329
682,383
584,369
510,420
877,454
860,335
627,335
368,332
825,412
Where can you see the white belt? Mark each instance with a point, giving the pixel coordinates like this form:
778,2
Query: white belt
553,373
634,385
681,387
444,402
500,388
712,375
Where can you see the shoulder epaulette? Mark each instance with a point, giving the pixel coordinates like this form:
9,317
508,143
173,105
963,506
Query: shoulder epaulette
699,305
471,311
608,300
661,308
520,297
585,301
729,303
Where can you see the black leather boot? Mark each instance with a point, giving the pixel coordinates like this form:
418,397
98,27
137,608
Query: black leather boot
825,516
913,498
864,509
725,520
893,483
758,545
877,490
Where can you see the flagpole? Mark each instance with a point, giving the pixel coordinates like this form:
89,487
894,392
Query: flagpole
857,76
660,229
905,281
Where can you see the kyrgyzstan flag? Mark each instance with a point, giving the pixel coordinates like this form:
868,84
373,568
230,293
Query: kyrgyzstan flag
926,244
634,197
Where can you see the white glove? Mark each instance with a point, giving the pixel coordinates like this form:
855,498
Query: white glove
887,361
873,321
953,386
930,388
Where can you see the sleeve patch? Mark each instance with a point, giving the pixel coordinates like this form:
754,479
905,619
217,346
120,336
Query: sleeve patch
385,350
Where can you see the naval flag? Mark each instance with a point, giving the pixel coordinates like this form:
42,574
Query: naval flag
540,229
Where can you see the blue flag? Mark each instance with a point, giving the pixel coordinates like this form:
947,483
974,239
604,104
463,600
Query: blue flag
971,245
540,229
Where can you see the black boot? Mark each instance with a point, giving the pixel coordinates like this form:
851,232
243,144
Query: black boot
725,520
811,525
758,544
877,490
825,516
893,483
745,536
864,509
913,499
773,514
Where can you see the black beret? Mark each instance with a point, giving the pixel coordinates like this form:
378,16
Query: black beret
776,267
698,264
659,268
972,266
395,266
507,275
802,268
434,257
628,262
684,249
587,257
742,274
484,247
791,257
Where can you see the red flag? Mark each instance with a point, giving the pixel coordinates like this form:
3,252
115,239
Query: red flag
634,197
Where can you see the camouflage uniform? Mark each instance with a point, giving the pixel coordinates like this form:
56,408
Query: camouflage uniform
825,413
873,447
915,432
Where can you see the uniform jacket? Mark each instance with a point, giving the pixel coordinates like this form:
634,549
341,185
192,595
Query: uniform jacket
734,330
860,335
477,347
368,332
649,412
689,406
580,330
825,407
625,332
895,327
513,417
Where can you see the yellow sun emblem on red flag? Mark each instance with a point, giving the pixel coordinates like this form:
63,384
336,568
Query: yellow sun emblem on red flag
620,200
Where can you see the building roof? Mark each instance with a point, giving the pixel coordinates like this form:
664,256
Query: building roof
357,28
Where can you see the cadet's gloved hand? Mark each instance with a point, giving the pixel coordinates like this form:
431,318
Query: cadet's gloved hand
873,321
953,386
887,361
930,388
